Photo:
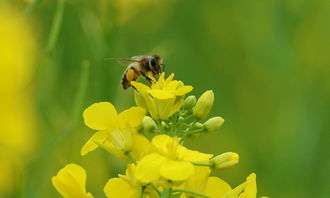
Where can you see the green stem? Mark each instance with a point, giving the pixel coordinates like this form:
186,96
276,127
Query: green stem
158,131
203,164
76,111
30,8
191,192
155,188
188,132
195,131
187,118
166,193
142,192
130,157
56,25
83,84
185,134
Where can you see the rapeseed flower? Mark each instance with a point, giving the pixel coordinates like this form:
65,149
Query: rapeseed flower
70,182
163,98
247,189
215,187
171,161
200,182
127,186
163,167
117,133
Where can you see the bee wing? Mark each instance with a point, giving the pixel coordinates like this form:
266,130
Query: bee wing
123,61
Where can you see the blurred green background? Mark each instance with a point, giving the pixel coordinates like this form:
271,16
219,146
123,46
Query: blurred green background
267,62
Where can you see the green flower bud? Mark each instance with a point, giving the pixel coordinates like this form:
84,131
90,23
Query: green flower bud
213,124
198,125
204,105
225,160
189,103
148,124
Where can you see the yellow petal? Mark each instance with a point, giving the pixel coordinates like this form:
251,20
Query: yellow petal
140,87
169,78
100,116
216,187
176,170
70,182
151,106
161,94
198,180
236,191
119,188
162,77
171,86
250,190
175,108
193,156
183,90
132,116
111,148
141,147
147,170
139,100
164,107
90,145
161,143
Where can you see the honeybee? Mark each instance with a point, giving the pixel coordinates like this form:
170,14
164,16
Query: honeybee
143,65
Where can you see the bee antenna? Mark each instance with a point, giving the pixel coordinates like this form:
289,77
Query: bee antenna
163,65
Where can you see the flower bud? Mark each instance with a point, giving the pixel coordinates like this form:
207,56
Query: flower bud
225,160
148,124
198,125
204,105
213,124
189,103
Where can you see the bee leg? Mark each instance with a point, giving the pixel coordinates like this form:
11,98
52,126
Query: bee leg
151,81
129,76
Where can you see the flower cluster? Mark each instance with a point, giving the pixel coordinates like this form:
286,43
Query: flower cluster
151,136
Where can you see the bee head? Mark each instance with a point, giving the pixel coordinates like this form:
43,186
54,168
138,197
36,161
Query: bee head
156,64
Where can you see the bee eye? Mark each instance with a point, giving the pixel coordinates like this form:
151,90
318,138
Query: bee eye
153,62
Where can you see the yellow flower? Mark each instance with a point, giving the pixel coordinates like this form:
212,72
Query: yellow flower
70,182
247,189
201,182
171,161
17,51
163,98
126,186
215,187
117,132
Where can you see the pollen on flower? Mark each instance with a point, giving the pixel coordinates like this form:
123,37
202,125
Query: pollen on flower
163,98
